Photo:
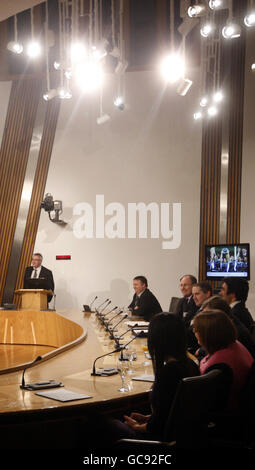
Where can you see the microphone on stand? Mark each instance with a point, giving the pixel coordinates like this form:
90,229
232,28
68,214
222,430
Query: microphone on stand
87,308
109,322
38,385
108,313
106,371
23,385
113,329
97,309
122,358
117,338
108,303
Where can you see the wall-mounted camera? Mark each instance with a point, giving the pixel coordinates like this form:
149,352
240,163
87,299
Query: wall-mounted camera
51,206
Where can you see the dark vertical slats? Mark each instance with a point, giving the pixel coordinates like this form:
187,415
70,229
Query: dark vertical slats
210,189
14,153
235,140
47,141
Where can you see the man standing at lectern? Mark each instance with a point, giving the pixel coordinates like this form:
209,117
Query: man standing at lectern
36,270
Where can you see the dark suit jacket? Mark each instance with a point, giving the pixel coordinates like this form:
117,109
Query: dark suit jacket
44,273
243,314
147,305
189,308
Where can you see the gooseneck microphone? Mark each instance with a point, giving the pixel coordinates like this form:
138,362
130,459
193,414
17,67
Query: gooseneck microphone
38,358
92,302
97,309
107,324
108,313
124,347
113,329
87,308
106,370
108,303
117,338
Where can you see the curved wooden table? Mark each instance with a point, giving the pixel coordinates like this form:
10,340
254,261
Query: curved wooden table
72,367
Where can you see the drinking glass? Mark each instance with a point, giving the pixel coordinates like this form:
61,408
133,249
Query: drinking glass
122,368
145,350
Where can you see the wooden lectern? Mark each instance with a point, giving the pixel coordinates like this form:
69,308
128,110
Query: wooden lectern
34,299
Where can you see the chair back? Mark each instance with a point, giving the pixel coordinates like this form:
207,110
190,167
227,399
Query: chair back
173,304
196,399
247,401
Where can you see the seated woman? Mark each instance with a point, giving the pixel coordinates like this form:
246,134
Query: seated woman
216,302
167,347
217,334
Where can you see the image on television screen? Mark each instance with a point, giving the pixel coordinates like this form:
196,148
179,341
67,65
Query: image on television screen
227,261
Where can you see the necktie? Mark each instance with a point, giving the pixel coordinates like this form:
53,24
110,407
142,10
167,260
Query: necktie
35,273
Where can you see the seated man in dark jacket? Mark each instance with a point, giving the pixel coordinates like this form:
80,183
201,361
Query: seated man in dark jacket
235,292
144,303
186,307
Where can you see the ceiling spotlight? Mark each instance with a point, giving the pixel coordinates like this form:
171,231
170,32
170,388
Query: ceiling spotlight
50,94
64,93
77,52
172,68
184,86
198,115
68,74
196,10
212,111
249,19
57,65
203,101
214,4
218,97
98,54
89,76
33,49
231,31
253,67
206,30
119,103
103,118
15,47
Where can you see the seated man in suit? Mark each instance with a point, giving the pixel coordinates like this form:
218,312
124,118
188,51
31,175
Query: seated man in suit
36,270
200,292
144,303
235,291
186,307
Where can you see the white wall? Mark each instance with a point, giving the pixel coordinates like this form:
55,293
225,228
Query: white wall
150,152
248,171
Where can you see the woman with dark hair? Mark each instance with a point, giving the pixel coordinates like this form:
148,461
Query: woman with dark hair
216,302
168,350
217,334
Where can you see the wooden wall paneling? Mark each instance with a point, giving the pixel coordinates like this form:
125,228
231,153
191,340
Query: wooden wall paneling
235,140
44,157
210,189
14,153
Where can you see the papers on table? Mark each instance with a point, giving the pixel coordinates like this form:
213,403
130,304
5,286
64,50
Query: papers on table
144,378
62,395
138,324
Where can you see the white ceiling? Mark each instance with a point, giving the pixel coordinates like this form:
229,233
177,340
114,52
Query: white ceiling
11,7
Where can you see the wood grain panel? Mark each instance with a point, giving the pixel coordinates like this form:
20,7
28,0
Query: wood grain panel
210,189
37,328
49,130
235,140
14,153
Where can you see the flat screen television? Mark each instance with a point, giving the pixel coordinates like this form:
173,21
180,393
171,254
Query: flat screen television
227,260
